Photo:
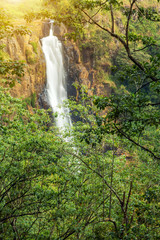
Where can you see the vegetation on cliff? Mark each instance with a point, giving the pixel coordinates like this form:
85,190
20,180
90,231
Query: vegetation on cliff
139,69
104,182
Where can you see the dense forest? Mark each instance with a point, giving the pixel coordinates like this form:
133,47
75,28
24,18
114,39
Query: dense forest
99,179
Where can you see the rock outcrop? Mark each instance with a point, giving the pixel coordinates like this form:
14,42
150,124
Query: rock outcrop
27,48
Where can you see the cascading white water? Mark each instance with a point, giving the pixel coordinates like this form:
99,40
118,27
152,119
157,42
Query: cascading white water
56,80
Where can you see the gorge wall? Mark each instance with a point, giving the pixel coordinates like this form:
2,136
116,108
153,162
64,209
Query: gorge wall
78,64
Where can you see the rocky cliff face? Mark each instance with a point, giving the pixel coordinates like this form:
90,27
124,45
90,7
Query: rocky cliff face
79,65
80,69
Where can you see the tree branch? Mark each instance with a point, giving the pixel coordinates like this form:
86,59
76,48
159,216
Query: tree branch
144,85
99,9
137,50
137,144
128,20
20,215
137,63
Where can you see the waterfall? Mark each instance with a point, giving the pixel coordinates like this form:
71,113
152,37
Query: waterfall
56,79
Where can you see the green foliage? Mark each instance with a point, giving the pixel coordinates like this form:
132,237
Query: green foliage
124,171
7,28
12,71
97,41
42,14
150,13
146,40
79,186
24,164
31,100
92,182
34,45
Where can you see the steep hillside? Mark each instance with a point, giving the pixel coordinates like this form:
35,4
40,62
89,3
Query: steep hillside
78,63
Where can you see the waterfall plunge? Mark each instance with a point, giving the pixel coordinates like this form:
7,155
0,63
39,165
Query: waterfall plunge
56,80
